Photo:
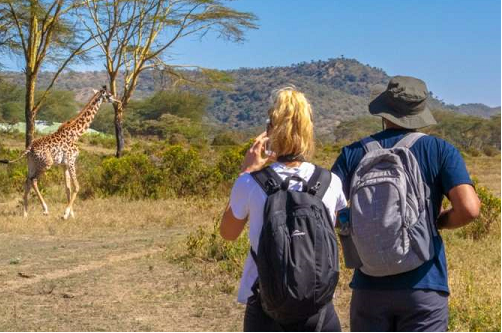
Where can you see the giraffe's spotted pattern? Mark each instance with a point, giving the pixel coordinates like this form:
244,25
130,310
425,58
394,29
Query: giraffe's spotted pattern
60,148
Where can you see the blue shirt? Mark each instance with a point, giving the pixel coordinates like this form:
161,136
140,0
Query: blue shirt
442,168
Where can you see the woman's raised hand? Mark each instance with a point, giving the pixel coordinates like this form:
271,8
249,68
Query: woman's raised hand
254,160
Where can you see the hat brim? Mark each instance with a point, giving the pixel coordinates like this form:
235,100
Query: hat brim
378,107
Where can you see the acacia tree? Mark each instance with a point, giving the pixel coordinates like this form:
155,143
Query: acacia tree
135,35
6,35
41,32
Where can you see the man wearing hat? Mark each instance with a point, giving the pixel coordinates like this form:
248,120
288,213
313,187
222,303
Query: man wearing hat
416,300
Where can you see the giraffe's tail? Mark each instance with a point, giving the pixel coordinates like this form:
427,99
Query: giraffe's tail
17,159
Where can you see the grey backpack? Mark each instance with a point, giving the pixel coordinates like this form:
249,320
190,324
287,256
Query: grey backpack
391,222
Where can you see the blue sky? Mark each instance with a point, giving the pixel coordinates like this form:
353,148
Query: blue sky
453,45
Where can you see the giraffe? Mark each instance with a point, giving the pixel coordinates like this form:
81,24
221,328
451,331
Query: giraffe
60,148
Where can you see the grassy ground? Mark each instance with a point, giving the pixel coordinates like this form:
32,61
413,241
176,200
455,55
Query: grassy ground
117,266
107,269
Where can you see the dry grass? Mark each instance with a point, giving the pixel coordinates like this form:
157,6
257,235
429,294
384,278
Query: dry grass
487,170
474,279
106,269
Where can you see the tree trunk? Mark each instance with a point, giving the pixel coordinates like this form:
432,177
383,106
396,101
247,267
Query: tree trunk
29,114
119,135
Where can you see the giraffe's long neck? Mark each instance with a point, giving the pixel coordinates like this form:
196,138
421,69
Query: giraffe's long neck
76,127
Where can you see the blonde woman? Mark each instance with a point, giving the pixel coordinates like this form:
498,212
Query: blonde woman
290,139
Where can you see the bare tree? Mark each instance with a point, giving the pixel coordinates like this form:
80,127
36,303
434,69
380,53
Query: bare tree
135,35
41,32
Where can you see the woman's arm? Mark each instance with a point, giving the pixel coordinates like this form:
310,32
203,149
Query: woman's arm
231,227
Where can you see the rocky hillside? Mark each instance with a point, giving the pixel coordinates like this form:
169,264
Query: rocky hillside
337,88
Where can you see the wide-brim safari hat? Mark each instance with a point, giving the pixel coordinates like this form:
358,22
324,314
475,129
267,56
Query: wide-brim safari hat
403,102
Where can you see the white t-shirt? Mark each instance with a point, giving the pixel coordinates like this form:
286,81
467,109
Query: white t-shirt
248,200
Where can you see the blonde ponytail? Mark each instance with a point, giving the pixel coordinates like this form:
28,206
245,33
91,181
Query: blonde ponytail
292,131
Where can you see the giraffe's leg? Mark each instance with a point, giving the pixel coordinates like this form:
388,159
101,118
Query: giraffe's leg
27,187
67,177
76,187
34,183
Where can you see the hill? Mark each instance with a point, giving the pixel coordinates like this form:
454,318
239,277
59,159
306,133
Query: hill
476,109
337,88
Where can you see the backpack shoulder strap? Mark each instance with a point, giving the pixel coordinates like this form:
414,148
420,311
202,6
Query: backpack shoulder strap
409,140
370,144
319,182
268,180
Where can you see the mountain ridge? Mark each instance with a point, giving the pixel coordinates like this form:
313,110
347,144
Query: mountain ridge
338,90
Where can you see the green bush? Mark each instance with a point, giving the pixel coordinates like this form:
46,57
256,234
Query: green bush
229,162
224,139
185,173
12,176
133,176
106,141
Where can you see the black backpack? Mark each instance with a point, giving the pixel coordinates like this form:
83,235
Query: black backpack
297,257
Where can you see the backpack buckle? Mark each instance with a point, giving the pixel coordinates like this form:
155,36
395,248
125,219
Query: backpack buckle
272,185
313,190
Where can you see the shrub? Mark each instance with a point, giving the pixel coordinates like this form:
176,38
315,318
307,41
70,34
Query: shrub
133,176
12,176
224,139
230,160
177,139
106,141
184,173
208,245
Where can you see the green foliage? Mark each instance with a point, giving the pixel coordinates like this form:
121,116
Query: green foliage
467,132
11,102
106,141
12,176
166,126
163,172
208,245
225,139
488,217
178,103
104,119
59,106
356,129
133,176
185,173
230,161
473,135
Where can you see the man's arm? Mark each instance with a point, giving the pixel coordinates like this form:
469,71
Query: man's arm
465,208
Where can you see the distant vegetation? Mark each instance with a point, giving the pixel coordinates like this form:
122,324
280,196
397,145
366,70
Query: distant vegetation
337,88
470,134
59,106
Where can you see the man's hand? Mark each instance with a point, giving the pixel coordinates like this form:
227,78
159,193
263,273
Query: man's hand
254,160
465,208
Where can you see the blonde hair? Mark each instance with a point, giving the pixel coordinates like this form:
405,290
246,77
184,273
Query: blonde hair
292,130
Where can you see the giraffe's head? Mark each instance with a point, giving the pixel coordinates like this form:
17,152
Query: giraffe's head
106,95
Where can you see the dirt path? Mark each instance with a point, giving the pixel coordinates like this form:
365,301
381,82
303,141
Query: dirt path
104,284
64,273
